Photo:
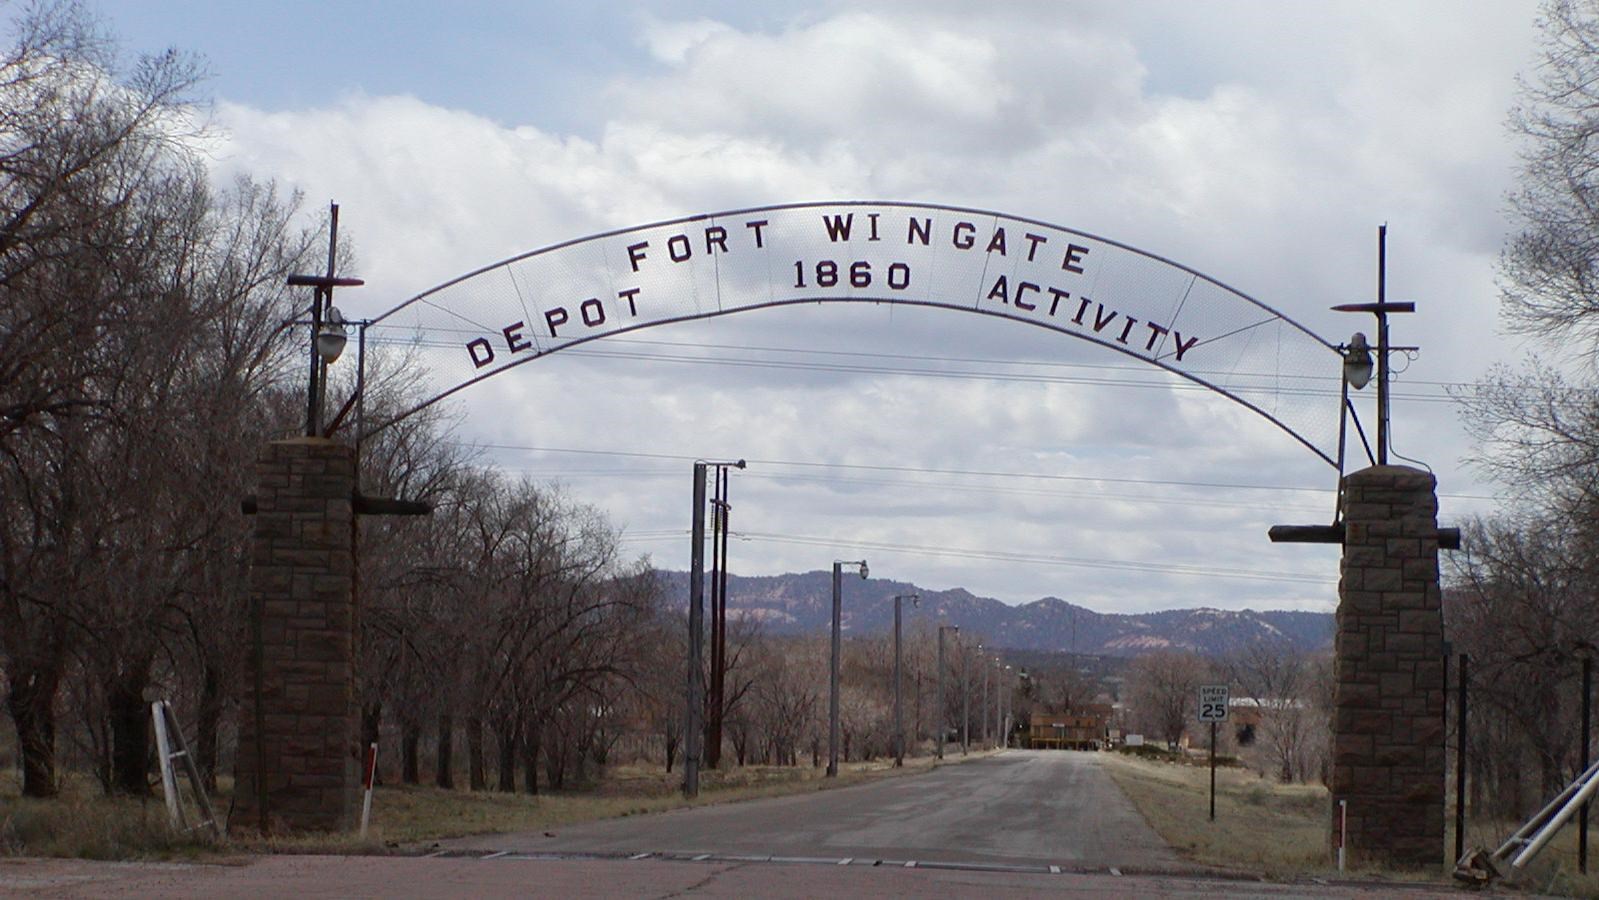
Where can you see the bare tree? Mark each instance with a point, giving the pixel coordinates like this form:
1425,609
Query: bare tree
1163,687
1281,680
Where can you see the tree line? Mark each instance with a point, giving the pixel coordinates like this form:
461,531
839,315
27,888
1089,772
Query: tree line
1521,596
148,348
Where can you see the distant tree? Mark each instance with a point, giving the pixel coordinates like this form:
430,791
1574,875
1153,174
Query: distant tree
1282,680
1162,688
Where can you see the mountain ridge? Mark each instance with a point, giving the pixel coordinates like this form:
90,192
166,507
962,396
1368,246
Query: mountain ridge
801,602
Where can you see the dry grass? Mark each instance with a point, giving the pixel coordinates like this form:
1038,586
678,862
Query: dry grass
1281,830
1260,825
84,823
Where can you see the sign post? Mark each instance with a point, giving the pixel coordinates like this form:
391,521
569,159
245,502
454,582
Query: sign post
1213,709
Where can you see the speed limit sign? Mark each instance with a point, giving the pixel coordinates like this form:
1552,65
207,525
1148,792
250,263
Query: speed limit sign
1213,703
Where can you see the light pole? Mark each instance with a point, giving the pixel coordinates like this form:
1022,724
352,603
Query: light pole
982,708
997,681
966,704
832,695
1010,702
899,708
942,716
328,333
1357,353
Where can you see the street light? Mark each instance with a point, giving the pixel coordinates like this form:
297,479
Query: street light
1357,353
899,710
832,697
943,719
1357,361
327,336
331,338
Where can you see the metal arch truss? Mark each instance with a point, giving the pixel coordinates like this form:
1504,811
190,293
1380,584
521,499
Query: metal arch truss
1144,306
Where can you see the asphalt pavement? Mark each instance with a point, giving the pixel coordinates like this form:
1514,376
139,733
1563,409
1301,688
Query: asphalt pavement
1033,809
1020,824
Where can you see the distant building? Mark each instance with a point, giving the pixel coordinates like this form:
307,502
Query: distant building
1085,729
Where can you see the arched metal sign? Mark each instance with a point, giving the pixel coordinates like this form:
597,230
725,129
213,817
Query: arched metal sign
1119,297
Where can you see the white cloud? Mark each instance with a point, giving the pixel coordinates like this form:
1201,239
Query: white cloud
1259,146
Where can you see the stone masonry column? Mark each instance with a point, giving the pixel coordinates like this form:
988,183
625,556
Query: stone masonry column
1388,718
297,754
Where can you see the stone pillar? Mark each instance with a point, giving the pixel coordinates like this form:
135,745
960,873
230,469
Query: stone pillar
297,753
1388,718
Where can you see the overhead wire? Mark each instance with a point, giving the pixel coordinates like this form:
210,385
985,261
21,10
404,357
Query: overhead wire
927,470
1152,379
1017,556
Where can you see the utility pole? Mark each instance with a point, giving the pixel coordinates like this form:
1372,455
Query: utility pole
696,636
832,693
940,717
899,706
720,510
694,719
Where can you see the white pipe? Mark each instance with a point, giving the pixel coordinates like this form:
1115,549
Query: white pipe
163,747
371,776
1538,821
1560,818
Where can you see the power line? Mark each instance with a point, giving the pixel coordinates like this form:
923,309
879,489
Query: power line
1212,485
1017,557
1156,382
969,488
969,553
1169,382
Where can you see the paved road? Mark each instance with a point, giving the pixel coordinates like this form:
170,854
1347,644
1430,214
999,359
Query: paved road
1020,807
317,877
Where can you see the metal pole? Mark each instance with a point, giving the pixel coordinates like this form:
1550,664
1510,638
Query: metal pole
982,709
1382,346
322,295
718,702
696,636
721,669
899,708
1460,759
998,676
312,401
1009,710
1587,708
832,678
1213,771
966,704
938,717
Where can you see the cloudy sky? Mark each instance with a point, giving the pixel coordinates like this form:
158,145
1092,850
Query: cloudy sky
1258,143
